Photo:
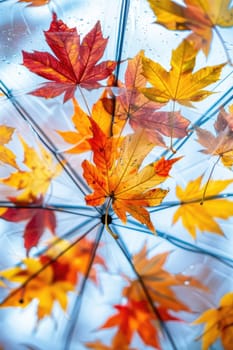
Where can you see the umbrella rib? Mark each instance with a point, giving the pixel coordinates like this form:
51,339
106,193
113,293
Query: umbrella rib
44,267
127,255
178,242
167,205
50,207
77,180
124,13
197,250
59,239
202,120
123,18
69,330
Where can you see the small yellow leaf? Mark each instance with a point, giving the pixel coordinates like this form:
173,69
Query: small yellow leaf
35,181
202,217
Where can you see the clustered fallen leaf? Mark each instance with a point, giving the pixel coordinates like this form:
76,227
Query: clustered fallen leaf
50,277
120,132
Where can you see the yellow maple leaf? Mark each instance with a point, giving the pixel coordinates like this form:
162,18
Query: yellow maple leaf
43,286
202,217
180,83
6,155
218,324
35,181
201,17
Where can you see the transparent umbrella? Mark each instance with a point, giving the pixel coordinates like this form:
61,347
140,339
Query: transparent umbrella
116,149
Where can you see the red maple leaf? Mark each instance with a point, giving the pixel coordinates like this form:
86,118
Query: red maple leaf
38,221
74,63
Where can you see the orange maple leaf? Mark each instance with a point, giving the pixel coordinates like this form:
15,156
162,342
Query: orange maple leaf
79,137
74,63
159,282
79,255
134,317
118,178
33,278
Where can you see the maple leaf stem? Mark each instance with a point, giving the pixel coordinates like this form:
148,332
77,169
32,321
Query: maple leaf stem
84,100
113,234
223,45
124,250
207,183
69,330
44,267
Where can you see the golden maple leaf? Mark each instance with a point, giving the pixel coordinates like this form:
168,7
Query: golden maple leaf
35,181
218,324
201,17
202,217
44,286
118,178
6,155
179,83
134,106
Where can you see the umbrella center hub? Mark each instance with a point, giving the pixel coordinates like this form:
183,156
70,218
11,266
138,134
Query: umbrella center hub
109,219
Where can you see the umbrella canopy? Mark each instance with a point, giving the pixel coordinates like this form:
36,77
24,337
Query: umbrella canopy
116,155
